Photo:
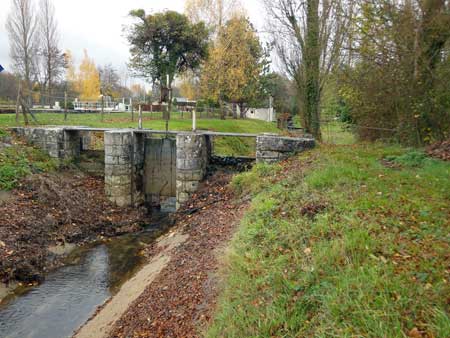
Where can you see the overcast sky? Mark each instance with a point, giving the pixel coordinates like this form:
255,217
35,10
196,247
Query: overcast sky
96,25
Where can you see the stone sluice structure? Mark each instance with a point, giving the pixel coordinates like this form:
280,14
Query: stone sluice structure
143,167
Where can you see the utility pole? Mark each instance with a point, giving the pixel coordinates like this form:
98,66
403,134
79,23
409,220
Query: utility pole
132,110
65,106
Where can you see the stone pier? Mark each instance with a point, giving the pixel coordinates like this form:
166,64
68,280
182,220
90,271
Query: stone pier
124,164
274,148
192,160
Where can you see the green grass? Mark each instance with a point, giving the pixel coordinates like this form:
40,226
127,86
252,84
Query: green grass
223,146
372,261
336,132
18,161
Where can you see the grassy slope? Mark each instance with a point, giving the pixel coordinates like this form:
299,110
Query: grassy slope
373,263
224,146
19,160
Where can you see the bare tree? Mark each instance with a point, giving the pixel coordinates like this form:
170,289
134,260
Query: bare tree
214,13
109,80
308,36
21,25
52,59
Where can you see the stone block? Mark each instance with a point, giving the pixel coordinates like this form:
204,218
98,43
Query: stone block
122,201
182,197
271,148
118,189
117,170
190,186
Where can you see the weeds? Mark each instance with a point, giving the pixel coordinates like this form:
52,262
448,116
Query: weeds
18,161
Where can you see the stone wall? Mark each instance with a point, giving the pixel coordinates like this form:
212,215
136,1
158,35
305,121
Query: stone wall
124,165
57,142
273,148
192,159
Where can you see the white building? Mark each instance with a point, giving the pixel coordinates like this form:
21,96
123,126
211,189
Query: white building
263,114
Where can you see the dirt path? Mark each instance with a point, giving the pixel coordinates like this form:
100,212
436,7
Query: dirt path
181,298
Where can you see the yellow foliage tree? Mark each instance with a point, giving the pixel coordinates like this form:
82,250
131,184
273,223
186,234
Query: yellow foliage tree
235,63
88,79
85,82
71,74
189,86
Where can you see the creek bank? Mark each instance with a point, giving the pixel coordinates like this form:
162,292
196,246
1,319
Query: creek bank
50,211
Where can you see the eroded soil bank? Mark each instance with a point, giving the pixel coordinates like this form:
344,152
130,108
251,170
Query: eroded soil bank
175,293
52,210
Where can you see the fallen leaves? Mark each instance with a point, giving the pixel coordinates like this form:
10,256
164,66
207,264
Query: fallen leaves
55,208
181,298
440,150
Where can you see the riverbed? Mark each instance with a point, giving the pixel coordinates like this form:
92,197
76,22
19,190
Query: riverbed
70,295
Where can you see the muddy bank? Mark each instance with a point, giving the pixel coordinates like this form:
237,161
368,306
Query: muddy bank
175,294
50,210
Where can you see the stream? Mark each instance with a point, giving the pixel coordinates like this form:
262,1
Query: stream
70,295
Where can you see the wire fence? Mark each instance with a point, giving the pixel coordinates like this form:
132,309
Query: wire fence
60,111
37,102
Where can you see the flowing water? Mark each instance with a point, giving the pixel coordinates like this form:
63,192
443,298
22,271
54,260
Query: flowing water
70,295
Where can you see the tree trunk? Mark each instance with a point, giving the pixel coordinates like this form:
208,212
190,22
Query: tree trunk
242,110
312,71
234,110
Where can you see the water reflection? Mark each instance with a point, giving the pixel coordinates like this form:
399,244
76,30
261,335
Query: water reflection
70,295
63,302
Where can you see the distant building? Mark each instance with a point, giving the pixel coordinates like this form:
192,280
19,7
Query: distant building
263,114
185,104
108,105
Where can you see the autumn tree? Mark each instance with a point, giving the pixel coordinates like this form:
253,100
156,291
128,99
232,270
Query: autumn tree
86,80
232,71
399,82
164,45
190,86
309,36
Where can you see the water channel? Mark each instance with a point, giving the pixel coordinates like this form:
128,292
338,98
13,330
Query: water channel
70,295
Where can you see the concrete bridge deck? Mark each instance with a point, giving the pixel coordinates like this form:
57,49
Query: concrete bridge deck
158,132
